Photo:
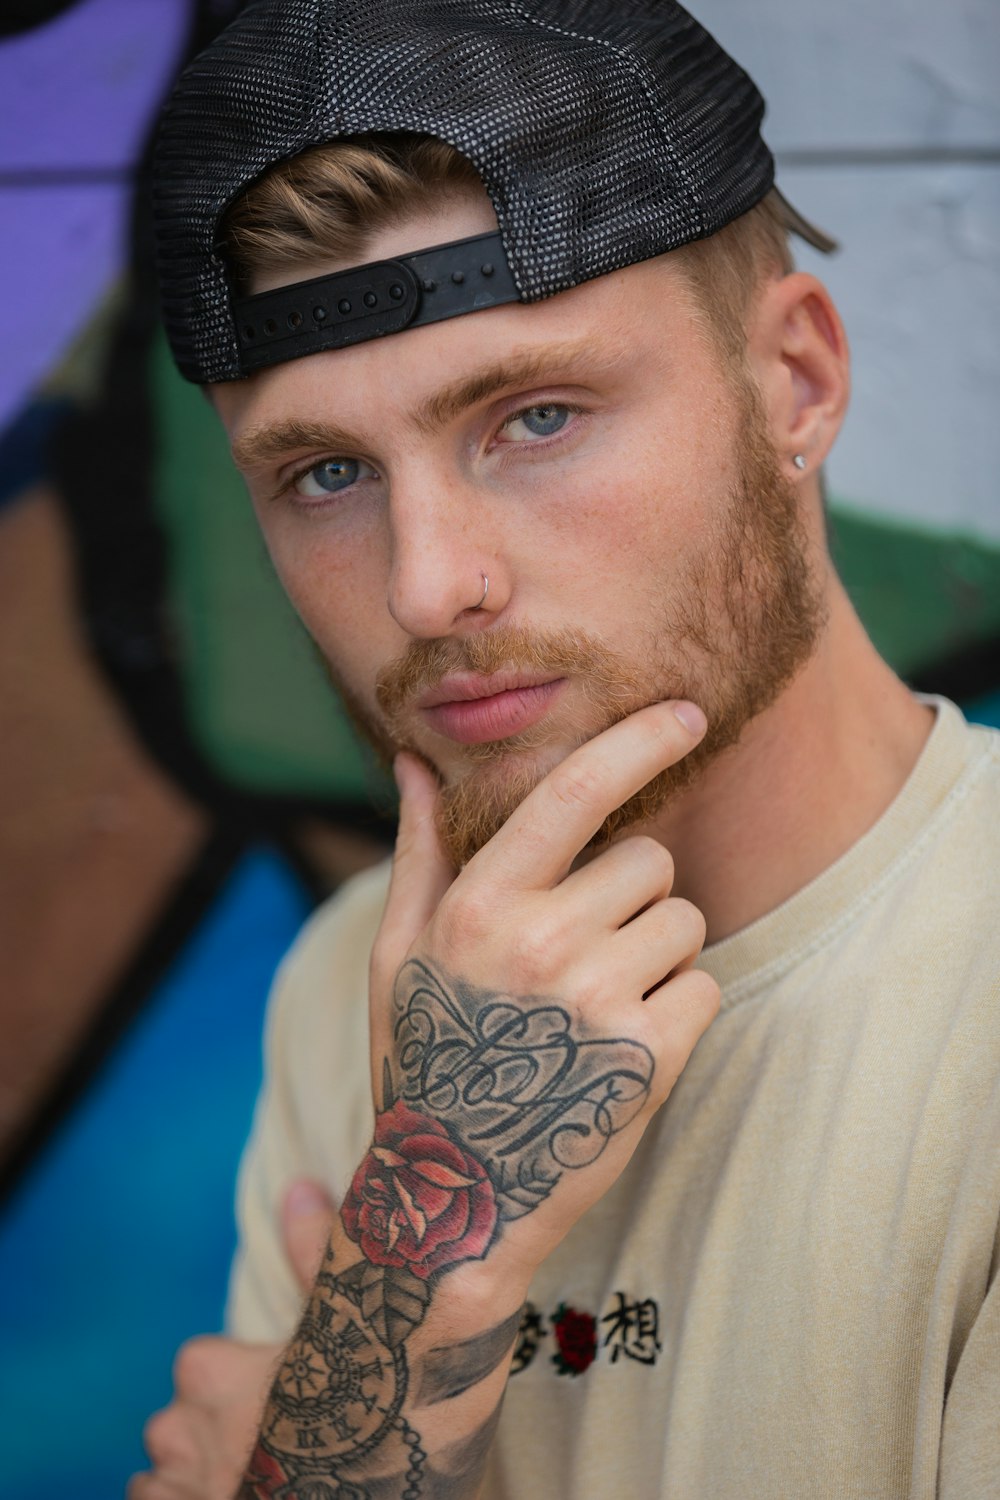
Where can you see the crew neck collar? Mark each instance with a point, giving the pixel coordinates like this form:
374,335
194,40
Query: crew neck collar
760,953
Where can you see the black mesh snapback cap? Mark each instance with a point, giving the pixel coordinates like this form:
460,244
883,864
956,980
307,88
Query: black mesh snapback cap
604,131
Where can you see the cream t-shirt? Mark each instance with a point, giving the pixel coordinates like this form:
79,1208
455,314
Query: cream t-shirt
791,1292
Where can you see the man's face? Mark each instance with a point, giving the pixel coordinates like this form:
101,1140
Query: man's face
590,455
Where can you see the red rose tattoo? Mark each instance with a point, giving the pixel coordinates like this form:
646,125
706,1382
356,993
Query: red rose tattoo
418,1200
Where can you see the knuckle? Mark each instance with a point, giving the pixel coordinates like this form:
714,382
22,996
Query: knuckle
690,919
577,785
533,952
656,858
464,918
406,839
195,1374
698,998
664,730
590,994
163,1435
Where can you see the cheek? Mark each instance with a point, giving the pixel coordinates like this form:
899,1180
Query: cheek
637,515
338,591
681,483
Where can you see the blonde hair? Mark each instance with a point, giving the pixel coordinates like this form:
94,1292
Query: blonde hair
727,270
329,201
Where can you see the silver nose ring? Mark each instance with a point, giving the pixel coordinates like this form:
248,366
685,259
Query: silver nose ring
486,589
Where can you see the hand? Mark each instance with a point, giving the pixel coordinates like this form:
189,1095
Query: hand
527,1019
199,1444
534,1013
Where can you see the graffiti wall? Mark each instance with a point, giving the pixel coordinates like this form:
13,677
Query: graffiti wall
178,786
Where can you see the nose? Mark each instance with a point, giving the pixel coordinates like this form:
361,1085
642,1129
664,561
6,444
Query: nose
447,575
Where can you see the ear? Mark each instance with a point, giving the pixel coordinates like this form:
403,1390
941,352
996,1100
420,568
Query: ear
798,353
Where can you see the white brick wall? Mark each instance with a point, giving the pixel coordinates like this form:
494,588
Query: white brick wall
885,117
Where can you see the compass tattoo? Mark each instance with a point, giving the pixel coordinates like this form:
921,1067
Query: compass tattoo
492,1099
339,1387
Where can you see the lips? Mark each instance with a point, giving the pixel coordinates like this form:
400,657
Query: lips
471,710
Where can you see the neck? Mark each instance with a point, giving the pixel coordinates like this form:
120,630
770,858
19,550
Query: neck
807,779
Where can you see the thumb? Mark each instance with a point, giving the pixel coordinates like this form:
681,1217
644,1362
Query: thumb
421,871
307,1214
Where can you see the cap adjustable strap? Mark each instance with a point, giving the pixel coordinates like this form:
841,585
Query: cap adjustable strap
367,302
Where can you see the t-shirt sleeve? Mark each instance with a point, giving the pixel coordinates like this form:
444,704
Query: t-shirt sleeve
264,1296
970,1438
314,1117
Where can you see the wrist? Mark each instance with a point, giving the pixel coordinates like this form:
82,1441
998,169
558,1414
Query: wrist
478,1294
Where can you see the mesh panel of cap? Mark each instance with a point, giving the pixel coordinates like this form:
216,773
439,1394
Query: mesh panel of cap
604,131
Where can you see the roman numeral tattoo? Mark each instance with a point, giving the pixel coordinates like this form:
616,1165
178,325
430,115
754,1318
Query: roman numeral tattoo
488,1102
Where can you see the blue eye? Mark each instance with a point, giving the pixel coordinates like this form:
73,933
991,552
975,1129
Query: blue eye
538,421
331,476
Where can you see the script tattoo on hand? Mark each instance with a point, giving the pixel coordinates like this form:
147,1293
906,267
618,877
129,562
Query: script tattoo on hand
511,1078
491,1100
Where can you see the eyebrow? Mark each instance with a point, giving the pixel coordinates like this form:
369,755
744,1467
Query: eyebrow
534,367
262,445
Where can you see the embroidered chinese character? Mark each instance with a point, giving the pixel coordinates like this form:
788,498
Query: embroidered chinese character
529,1336
633,1329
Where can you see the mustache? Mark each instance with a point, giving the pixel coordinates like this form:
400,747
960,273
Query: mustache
607,685
560,653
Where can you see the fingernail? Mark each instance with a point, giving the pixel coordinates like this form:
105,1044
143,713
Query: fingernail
691,717
304,1198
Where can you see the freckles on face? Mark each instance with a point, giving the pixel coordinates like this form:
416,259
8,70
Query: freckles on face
338,591
647,552
591,541
333,594
625,532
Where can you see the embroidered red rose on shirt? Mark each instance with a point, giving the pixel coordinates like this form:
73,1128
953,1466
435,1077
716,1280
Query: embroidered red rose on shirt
576,1336
419,1200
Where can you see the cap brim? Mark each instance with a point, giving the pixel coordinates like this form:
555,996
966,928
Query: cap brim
811,233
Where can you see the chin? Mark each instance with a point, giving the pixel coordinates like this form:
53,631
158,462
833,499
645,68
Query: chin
500,762
477,800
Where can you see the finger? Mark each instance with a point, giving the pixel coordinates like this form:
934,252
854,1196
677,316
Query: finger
538,843
307,1213
623,879
152,1486
682,1009
421,871
167,1439
149,1485
210,1368
662,941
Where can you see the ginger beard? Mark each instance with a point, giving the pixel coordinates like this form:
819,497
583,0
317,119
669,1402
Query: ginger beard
737,625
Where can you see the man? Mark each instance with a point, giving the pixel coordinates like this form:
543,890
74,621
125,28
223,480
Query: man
548,499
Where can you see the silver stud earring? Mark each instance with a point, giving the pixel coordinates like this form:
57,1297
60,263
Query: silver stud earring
799,460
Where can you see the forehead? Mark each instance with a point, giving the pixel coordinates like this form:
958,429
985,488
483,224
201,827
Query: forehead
634,315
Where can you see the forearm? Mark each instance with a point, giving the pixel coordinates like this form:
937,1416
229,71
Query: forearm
391,1385
505,1113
